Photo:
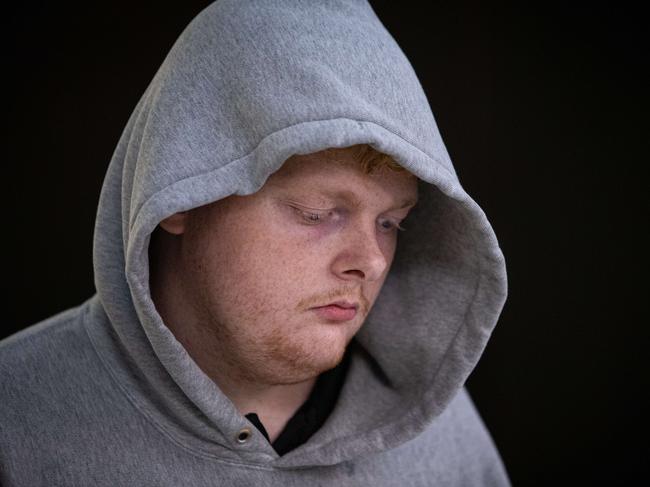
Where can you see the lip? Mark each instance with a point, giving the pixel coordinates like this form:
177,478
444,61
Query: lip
337,311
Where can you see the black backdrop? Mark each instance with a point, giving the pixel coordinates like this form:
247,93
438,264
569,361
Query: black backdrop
542,109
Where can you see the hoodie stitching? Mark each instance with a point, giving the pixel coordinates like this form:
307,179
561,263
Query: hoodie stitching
437,161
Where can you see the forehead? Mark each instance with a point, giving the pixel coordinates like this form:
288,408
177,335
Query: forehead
340,172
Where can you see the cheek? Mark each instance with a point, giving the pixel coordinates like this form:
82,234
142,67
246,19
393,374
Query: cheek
388,245
261,273
373,289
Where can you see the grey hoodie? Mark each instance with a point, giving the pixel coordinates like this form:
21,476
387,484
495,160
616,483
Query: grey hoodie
103,394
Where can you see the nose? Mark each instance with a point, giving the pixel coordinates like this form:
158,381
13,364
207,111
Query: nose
361,257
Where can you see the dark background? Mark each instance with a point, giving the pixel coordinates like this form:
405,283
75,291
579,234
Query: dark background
543,109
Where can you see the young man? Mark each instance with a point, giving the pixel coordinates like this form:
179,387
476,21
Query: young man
258,320
266,291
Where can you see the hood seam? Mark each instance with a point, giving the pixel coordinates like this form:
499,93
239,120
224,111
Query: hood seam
436,160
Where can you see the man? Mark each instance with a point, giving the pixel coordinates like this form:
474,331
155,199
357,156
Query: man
266,291
258,321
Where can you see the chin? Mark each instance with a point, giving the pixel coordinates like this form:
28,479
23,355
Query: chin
293,359
306,366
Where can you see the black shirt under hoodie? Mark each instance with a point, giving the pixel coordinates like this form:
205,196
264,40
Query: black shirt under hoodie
312,414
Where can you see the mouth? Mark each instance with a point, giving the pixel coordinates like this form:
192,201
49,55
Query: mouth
337,311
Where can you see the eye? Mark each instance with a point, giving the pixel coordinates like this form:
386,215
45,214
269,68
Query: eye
311,216
389,226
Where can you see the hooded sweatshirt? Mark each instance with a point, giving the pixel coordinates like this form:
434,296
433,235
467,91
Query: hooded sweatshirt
104,395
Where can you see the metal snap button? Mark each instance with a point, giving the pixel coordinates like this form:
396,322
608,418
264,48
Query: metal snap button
244,435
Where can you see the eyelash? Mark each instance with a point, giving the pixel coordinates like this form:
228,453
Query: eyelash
316,218
312,217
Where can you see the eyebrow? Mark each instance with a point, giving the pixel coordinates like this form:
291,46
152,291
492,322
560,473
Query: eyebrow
408,202
354,200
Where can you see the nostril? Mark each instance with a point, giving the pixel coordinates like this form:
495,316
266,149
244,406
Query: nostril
355,272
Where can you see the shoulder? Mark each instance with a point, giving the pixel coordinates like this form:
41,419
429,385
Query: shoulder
46,348
455,449
45,372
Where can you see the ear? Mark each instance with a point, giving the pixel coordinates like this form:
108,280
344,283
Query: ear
175,224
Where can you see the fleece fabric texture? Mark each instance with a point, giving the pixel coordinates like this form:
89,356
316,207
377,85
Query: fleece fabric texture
104,394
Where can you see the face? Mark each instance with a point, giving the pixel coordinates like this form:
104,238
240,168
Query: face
284,278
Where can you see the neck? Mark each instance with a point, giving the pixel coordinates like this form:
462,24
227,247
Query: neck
273,404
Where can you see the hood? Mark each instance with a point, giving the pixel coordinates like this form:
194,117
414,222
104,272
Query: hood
247,85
